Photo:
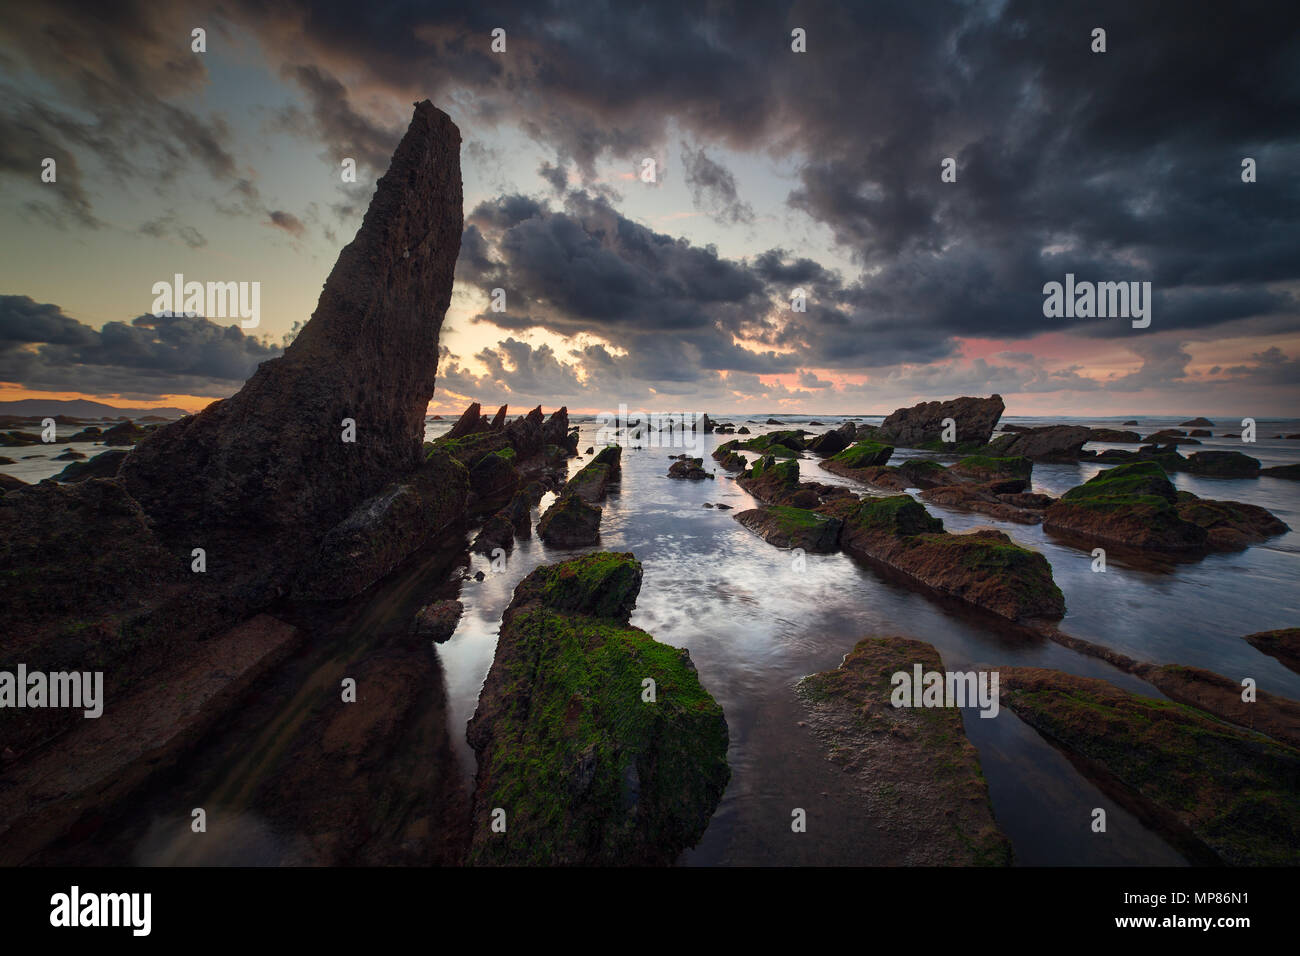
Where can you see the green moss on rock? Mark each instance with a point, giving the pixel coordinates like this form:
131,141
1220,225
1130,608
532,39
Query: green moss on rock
864,454
586,769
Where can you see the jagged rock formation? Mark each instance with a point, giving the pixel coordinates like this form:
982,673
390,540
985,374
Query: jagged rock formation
268,471
834,441
101,570
573,521
585,768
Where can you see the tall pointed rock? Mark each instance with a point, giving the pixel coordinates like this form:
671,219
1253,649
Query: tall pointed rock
271,465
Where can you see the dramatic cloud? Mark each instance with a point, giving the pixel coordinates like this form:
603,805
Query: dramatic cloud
43,349
1116,166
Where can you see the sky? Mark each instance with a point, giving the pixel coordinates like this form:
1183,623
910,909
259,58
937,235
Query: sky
776,170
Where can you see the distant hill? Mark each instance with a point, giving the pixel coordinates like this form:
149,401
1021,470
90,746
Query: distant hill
81,408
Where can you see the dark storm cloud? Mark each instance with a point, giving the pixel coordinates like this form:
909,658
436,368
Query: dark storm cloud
674,307
41,348
1116,166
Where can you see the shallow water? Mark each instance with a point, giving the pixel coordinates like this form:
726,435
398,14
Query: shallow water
755,623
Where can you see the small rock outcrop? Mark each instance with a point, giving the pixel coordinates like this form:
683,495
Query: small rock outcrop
787,527
104,465
437,621
689,469
1222,464
858,459
586,768
1113,435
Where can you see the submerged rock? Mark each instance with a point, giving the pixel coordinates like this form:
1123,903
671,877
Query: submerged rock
919,775
585,767
437,621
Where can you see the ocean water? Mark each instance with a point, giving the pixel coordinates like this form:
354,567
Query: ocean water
755,622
